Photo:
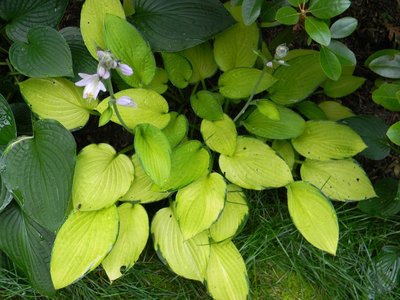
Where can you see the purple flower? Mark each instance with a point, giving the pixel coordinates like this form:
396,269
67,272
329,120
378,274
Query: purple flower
92,84
125,69
126,101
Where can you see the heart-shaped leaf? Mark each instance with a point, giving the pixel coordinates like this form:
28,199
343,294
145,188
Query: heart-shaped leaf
8,128
176,129
178,69
45,55
38,171
206,105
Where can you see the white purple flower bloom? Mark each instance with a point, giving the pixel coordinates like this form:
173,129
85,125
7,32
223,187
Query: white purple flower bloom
92,84
126,101
125,69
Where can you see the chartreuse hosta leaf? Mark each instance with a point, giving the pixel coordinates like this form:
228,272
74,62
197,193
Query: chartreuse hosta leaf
178,69
338,179
289,124
58,99
226,273
187,258
285,150
206,105
324,140
233,216
189,161
126,44
239,82
313,215
92,22
199,204
176,129
159,82
269,109
254,165
335,111
132,238
38,171
344,86
150,108
8,128
220,136
101,177
82,243
154,152
394,133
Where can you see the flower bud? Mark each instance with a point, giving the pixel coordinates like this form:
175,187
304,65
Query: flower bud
281,51
126,101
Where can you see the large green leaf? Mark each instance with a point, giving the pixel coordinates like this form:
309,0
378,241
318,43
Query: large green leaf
127,45
330,63
324,140
343,27
226,273
174,25
387,65
58,99
199,204
311,110
254,165
23,15
132,238
178,69
326,9
82,243
344,86
29,247
46,54
176,129
154,152
187,258
313,215
341,180
8,128
38,171
101,177
386,95
318,30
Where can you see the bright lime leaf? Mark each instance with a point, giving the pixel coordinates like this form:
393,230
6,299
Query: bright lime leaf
394,133
21,16
176,129
220,136
298,80
325,140
254,165
141,189
318,30
92,22
335,111
344,54
386,65
311,110
289,125
343,27
101,177
341,180
268,109
241,82
206,105
8,128
386,95
344,86
287,15
151,108
233,216
175,25
313,215
178,69
132,238
330,63
28,245
46,54
226,273
285,150
154,152
38,171
251,10
58,99
127,45
326,9
187,258
82,243
159,82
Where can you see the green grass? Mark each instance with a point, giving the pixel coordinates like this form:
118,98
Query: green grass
280,263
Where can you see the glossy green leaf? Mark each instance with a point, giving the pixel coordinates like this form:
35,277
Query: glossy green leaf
311,110
150,108
220,136
82,243
22,16
132,238
233,216
289,125
127,45
8,128
268,109
343,27
38,171
287,15
206,105
92,22
175,25
330,63
394,133
285,150
101,177
386,95
177,129
28,245
344,86
326,9
178,69
226,273
46,54
251,10
254,165
342,180
335,111
187,258
380,53
313,215
58,99
344,54
239,83
324,140
154,152
317,30
386,65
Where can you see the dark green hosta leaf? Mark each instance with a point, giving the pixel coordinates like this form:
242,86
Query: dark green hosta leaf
29,246
343,27
38,170
5,195
8,129
251,10
22,15
174,25
330,63
45,55
326,9
318,30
